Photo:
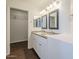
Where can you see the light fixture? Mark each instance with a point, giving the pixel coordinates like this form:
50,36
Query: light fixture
51,6
56,4
35,17
48,8
43,11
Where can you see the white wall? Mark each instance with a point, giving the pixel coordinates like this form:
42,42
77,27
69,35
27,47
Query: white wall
64,16
23,6
8,32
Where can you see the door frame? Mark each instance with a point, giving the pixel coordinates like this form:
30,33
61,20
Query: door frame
22,11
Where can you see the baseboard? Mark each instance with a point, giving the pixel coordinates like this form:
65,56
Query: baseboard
29,47
18,41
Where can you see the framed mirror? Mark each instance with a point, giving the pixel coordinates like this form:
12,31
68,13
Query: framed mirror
37,22
40,22
44,22
34,23
53,20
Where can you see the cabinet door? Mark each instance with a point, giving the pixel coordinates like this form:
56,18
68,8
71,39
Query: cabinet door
36,44
32,38
40,46
33,41
43,48
58,49
53,49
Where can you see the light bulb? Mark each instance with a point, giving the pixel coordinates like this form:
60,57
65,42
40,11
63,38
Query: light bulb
43,11
51,6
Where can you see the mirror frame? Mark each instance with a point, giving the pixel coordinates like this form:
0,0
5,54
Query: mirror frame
57,23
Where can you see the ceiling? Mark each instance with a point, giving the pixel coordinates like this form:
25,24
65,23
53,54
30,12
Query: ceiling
37,4
40,4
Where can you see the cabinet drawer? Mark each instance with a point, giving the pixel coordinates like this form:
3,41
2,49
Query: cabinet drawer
42,41
40,46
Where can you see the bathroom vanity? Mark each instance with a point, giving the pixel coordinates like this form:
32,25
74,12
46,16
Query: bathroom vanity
52,45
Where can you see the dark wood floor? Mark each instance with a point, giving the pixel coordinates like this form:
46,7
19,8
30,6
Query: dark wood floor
20,51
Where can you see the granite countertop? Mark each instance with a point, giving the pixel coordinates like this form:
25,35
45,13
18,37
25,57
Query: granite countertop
40,33
63,37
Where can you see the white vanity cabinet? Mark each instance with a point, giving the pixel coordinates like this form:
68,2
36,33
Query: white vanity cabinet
52,47
58,49
40,46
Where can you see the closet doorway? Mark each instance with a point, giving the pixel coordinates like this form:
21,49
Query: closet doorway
18,25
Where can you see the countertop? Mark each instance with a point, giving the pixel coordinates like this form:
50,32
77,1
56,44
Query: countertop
63,37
